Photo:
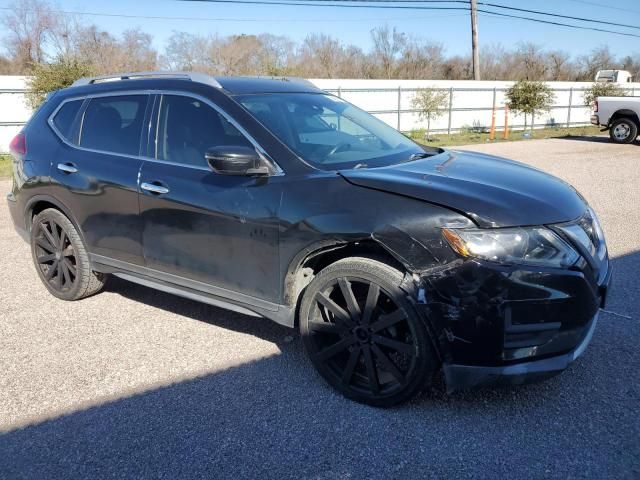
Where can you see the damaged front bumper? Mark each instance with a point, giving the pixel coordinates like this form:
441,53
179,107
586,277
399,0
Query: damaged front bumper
498,324
460,377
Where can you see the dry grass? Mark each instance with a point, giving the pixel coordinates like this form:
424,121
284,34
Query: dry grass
5,166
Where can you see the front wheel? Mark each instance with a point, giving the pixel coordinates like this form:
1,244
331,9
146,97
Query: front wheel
363,335
623,130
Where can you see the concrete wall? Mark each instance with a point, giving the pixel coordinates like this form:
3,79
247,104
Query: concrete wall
390,100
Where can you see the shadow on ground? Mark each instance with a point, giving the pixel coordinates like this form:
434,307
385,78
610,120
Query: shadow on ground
593,138
275,418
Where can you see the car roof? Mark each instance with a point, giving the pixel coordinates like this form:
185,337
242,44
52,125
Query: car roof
231,85
249,85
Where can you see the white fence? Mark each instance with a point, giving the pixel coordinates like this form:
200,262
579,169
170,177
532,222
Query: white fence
469,103
13,109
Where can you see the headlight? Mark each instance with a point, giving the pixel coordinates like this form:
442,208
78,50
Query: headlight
531,246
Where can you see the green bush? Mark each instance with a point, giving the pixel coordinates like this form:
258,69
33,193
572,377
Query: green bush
600,89
49,77
430,103
530,97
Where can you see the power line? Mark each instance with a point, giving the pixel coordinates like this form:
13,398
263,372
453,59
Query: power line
557,15
549,22
342,4
303,3
608,7
322,4
212,19
331,3
494,5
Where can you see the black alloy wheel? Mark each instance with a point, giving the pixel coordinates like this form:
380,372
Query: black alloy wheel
363,335
55,255
61,258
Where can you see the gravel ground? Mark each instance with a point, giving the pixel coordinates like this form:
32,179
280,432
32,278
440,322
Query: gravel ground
134,383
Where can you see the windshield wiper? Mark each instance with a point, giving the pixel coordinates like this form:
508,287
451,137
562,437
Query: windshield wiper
361,165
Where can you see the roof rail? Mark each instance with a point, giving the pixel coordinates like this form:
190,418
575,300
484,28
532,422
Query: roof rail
193,76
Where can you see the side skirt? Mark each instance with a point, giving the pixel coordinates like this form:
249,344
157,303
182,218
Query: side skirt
194,290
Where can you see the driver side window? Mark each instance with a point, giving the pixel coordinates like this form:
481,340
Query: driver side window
188,127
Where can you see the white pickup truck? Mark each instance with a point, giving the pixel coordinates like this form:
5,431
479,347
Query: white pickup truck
620,115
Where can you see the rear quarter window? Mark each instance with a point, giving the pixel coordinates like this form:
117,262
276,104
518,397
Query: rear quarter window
65,117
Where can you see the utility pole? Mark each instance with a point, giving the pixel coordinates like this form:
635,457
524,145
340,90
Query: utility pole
474,39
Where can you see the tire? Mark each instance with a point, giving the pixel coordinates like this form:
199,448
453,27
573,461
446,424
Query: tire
623,130
61,259
372,348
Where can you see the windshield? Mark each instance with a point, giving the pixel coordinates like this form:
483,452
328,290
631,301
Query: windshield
330,133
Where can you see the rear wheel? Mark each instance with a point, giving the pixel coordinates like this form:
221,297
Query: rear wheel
61,258
363,335
623,130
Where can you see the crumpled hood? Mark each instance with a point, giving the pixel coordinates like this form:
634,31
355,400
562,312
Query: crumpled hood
493,191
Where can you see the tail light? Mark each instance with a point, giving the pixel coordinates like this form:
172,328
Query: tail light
19,144
595,106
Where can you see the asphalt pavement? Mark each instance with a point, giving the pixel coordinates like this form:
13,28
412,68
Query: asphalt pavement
135,383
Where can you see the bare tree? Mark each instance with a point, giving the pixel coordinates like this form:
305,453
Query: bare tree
457,68
277,55
632,64
237,55
139,54
8,67
36,34
421,59
185,51
108,54
30,25
387,45
600,58
494,60
356,64
560,66
321,55
530,62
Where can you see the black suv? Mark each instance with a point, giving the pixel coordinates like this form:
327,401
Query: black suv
273,198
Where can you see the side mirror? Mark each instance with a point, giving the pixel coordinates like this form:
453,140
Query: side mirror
235,160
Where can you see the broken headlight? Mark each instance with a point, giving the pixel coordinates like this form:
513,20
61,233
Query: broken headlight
527,245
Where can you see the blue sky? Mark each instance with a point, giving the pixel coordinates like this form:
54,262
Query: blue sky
451,28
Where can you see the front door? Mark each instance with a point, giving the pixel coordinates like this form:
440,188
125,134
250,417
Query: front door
207,231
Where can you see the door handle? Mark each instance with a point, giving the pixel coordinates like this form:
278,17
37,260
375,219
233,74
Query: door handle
67,168
154,188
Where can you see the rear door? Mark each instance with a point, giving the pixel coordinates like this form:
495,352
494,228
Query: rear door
95,171
216,233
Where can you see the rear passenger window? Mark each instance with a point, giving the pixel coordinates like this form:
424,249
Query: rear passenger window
63,120
114,124
188,127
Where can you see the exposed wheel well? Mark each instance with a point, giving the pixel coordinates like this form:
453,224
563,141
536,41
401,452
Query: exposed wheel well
300,276
36,208
41,206
630,114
